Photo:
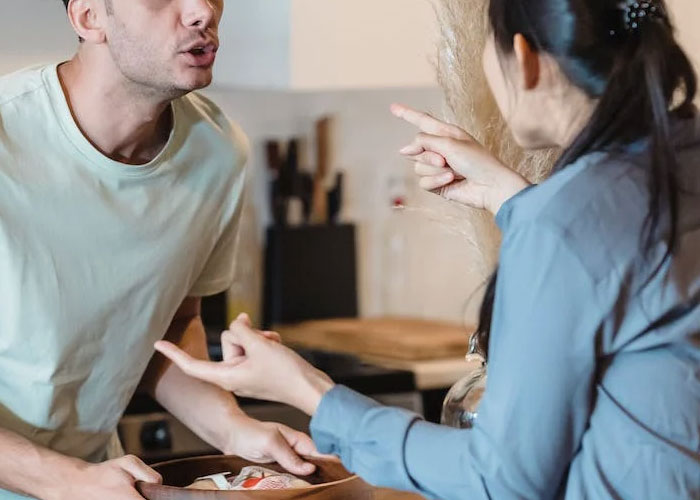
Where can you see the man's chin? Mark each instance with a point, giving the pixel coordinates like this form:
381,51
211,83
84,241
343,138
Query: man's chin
199,80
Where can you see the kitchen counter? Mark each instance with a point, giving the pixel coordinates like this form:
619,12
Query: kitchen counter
432,351
397,338
428,374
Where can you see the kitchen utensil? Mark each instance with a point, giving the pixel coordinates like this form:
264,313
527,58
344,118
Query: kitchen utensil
278,200
319,205
274,155
331,481
335,199
278,203
290,169
306,191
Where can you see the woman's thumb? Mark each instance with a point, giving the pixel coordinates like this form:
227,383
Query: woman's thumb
245,319
243,336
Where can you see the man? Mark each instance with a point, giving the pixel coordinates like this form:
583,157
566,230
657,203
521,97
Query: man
120,194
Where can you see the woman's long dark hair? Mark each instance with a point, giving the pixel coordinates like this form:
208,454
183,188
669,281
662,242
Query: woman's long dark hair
625,55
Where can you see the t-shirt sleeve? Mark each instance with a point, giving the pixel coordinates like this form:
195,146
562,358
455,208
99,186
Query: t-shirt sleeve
218,273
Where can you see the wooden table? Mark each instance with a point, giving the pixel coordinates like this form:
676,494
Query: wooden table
398,338
433,351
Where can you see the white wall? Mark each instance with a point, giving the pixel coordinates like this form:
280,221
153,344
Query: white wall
255,37
329,44
362,43
687,16
438,276
34,32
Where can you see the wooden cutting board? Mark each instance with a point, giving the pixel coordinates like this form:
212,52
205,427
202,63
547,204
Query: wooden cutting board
397,338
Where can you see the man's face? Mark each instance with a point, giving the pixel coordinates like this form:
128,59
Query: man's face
164,45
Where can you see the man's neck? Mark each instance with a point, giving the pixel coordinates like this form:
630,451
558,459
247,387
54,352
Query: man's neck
124,123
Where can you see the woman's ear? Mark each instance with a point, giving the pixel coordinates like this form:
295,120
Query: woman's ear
528,61
87,18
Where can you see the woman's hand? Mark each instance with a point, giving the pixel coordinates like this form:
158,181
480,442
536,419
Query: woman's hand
256,365
451,163
267,442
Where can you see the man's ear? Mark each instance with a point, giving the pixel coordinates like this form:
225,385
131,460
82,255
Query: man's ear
87,18
528,62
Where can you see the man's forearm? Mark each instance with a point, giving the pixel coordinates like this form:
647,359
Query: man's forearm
28,469
207,410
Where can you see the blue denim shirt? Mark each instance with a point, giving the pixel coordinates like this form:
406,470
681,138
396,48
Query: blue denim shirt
594,373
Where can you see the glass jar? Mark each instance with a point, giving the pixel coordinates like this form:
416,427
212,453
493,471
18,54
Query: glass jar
460,408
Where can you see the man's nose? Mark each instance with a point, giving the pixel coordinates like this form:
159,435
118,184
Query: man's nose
200,13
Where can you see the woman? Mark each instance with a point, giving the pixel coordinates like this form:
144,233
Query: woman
594,372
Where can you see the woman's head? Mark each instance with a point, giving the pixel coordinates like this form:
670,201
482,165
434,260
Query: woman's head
558,59
619,62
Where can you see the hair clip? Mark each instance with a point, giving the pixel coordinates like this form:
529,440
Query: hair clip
636,13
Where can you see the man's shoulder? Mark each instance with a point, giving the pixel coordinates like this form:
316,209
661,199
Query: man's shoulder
200,108
22,83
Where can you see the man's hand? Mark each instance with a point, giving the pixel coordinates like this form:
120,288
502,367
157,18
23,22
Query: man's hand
212,413
111,480
265,442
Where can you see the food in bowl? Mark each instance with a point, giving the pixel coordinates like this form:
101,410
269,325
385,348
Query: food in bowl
330,481
250,478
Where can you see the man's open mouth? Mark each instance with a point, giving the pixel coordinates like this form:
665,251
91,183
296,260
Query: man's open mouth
204,49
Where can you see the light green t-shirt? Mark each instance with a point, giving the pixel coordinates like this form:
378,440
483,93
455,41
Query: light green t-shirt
96,256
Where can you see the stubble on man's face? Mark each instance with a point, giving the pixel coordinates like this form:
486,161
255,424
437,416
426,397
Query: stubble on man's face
144,43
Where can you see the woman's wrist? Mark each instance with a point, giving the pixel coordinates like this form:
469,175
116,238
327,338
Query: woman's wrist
315,385
509,189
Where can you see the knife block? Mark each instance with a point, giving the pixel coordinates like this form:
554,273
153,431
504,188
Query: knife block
310,273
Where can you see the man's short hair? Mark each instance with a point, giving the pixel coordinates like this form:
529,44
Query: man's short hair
108,3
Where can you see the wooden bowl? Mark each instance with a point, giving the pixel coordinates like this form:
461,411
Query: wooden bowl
330,481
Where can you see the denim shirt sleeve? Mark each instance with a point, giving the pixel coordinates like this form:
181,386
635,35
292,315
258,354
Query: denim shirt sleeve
536,406
503,216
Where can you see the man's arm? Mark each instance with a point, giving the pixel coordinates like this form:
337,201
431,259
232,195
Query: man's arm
28,469
212,413
177,392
